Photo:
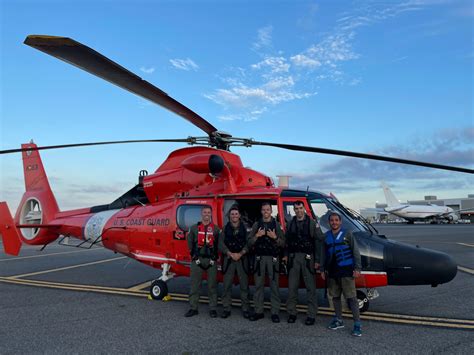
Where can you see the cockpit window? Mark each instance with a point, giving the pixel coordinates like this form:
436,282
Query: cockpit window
321,208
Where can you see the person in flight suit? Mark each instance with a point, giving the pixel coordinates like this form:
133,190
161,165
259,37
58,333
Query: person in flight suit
341,265
233,245
304,241
203,246
266,239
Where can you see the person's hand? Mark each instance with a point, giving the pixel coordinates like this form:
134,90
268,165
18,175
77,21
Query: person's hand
323,275
356,273
237,256
271,233
316,266
260,232
284,259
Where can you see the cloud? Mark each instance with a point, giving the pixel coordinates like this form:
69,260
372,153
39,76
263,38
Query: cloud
264,38
146,70
276,77
184,64
453,147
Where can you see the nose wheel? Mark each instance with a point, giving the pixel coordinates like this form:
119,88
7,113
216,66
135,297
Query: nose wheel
159,288
362,301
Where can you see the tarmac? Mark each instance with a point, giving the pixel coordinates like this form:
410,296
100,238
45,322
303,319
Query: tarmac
65,299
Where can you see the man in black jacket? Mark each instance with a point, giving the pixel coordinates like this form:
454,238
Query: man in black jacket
233,245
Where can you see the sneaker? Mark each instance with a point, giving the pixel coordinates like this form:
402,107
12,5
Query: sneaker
336,324
225,314
357,331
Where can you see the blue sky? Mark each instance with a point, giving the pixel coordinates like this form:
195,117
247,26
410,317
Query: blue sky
393,77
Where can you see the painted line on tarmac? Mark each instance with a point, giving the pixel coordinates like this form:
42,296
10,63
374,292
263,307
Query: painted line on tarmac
466,244
141,286
466,269
43,255
461,324
64,268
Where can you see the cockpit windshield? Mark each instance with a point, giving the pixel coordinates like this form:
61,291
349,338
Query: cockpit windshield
321,207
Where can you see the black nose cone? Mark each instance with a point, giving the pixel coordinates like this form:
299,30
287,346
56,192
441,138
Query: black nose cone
409,265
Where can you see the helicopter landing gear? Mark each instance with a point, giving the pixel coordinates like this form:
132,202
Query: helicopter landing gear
159,288
363,299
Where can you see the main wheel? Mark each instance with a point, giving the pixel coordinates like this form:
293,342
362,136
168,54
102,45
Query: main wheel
362,301
158,290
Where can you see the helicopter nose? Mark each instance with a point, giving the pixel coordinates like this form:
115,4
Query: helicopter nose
409,265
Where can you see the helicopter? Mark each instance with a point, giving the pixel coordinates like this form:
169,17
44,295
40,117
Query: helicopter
150,222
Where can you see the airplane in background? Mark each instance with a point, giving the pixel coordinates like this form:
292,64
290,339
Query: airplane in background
412,213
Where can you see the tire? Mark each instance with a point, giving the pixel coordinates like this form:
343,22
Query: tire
158,290
362,300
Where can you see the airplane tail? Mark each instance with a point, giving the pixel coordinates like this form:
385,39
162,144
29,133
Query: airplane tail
38,205
389,196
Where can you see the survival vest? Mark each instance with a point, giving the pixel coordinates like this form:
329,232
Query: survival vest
265,246
205,235
235,239
299,239
339,258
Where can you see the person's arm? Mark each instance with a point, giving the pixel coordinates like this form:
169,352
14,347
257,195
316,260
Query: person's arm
280,236
252,238
191,239
318,242
222,247
355,253
245,249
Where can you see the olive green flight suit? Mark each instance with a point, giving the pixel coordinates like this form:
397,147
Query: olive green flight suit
199,255
229,268
267,265
303,264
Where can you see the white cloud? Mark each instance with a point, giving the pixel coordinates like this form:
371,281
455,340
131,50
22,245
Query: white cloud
302,60
184,64
264,38
146,70
277,78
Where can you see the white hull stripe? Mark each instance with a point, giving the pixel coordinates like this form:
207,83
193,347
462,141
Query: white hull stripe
373,273
149,257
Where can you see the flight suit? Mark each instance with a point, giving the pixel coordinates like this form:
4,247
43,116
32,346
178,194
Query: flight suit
234,240
303,247
204,259
266,263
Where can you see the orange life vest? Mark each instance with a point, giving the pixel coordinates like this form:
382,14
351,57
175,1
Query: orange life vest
205,235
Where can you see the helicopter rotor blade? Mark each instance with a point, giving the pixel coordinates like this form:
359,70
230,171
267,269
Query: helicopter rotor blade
362,155
87,59
10,151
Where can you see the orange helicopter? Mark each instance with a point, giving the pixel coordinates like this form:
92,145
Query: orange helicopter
149,222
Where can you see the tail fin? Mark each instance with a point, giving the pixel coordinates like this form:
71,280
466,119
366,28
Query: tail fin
38,205
8,231
389,196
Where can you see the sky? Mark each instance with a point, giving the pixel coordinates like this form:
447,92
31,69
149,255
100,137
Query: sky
383,77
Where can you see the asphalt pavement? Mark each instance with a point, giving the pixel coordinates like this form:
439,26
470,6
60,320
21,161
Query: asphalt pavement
75,301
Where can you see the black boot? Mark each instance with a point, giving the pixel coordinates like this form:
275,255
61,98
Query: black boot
191,312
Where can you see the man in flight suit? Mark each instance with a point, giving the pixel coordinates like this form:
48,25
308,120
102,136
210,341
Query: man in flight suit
203,240
341,266
304,241
266,239
233,245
